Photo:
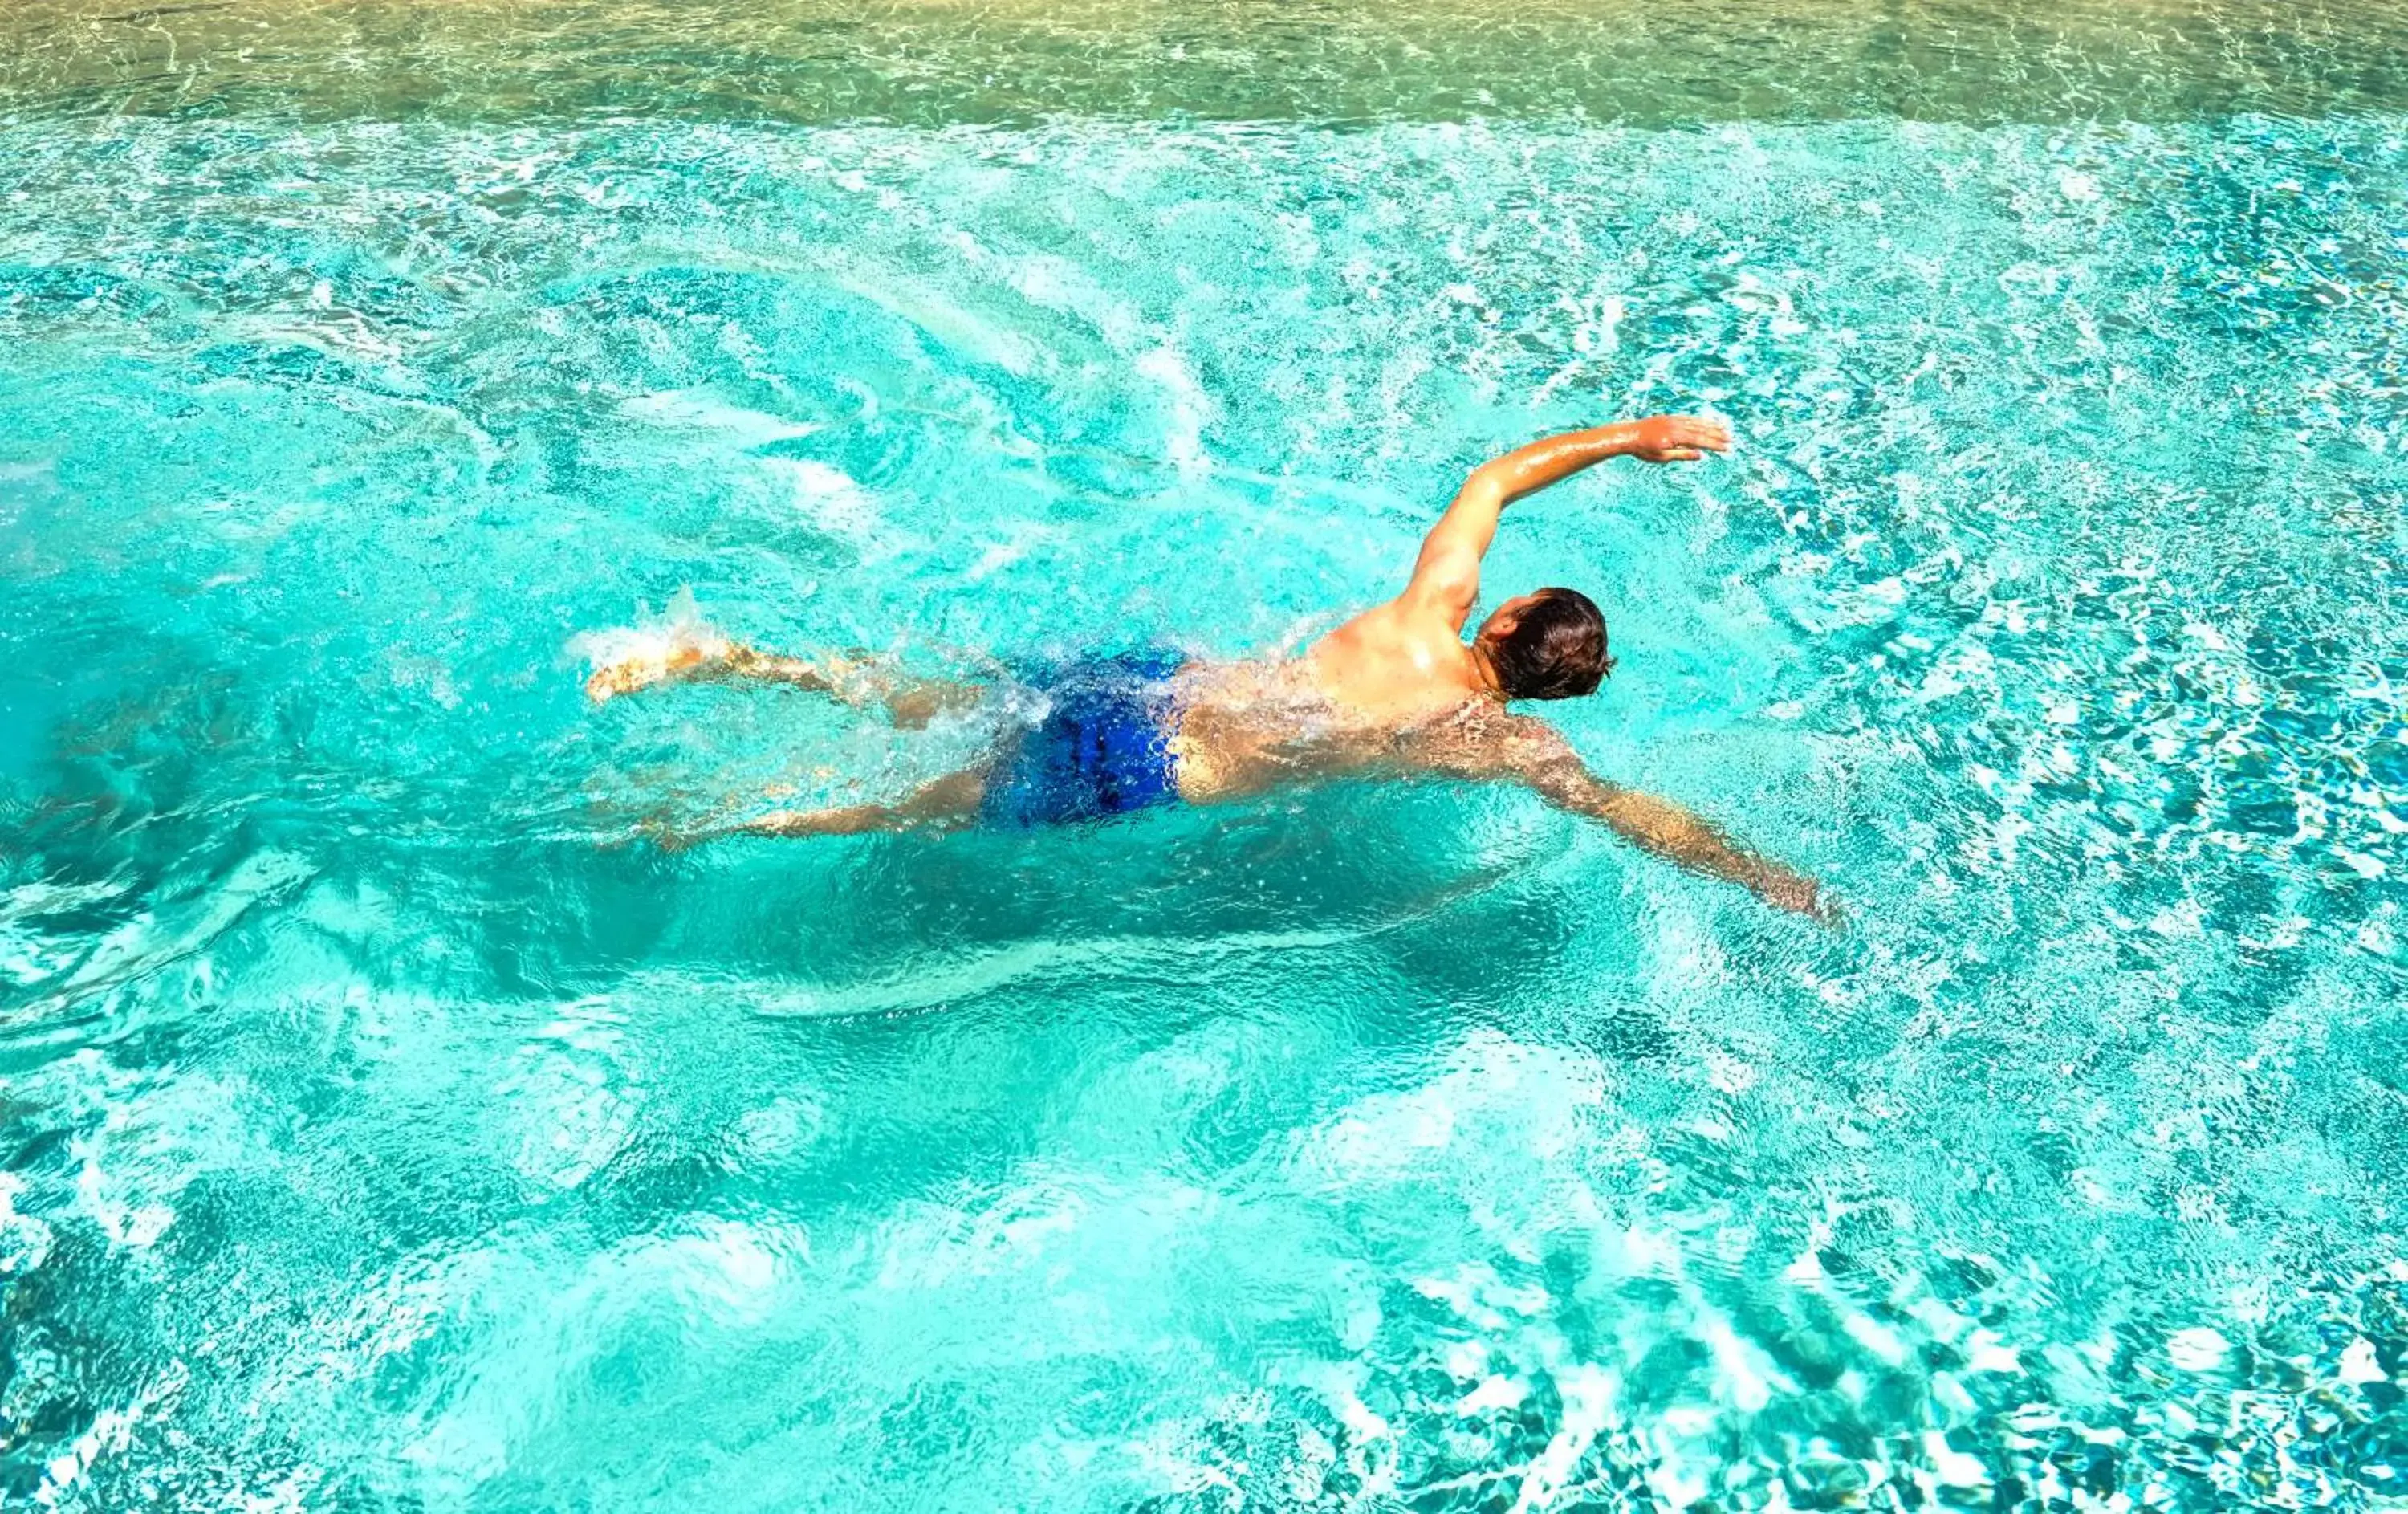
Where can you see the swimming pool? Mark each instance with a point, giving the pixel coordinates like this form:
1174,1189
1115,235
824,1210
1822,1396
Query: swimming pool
381,1134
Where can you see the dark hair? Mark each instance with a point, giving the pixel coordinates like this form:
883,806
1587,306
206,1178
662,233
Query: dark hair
1555,650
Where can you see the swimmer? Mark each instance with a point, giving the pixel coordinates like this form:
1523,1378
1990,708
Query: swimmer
1395,692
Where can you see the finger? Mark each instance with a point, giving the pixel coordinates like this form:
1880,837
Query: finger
1683,454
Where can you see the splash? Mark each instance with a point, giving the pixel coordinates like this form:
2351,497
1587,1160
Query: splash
676,643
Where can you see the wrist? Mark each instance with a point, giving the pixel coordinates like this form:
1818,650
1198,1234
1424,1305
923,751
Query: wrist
1620,439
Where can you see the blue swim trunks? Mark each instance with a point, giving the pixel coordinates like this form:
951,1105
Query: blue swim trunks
1103,748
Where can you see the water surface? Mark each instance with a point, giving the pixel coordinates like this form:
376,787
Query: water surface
379,1136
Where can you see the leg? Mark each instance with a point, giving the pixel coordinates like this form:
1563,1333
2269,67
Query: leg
859,680
855,679
945,804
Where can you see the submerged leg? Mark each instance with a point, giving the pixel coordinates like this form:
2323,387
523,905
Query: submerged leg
860,680
854,678
945,804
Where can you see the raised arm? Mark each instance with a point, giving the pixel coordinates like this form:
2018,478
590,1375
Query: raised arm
1531,752
1446,575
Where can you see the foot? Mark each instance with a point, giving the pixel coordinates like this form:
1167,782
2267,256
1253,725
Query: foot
680,660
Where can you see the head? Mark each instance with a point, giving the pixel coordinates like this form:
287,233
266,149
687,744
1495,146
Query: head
1548,646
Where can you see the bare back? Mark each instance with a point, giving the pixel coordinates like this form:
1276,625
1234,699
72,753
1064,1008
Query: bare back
1365,697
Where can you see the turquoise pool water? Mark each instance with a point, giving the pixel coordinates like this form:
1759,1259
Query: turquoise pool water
381,1136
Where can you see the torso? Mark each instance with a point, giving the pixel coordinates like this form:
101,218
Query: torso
1360,697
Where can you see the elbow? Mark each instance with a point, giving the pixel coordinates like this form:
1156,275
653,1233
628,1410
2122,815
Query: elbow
1487,485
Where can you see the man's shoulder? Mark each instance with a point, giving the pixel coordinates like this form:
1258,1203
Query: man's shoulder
1483,735
1388,645
1392,620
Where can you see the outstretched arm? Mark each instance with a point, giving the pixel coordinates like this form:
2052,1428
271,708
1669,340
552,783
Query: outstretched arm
1531,752
1446,575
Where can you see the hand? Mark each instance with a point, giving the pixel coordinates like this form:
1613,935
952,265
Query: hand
1677,438
663,831
1802,896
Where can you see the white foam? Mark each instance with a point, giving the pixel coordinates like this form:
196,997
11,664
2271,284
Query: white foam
651,638
2198,1348
699,410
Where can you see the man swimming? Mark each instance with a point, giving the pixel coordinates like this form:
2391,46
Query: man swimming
1393,692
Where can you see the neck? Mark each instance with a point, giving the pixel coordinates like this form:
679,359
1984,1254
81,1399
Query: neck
1485,666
